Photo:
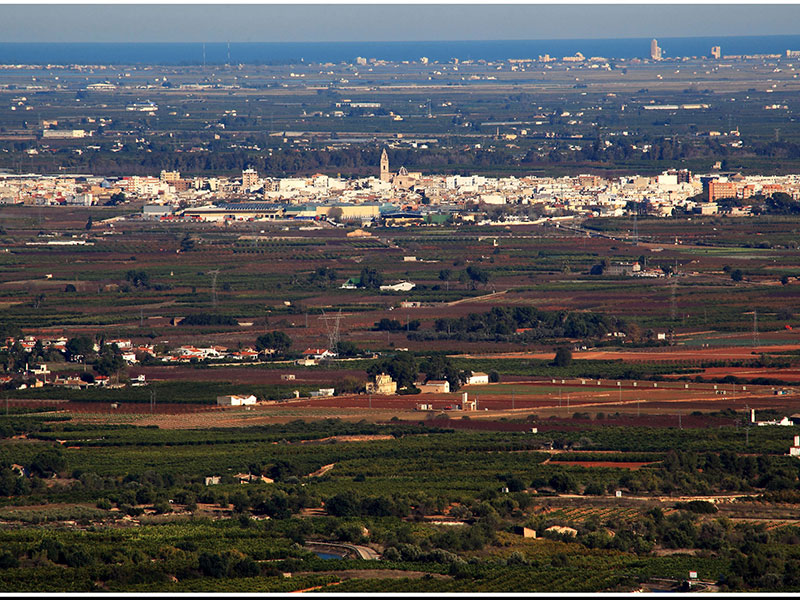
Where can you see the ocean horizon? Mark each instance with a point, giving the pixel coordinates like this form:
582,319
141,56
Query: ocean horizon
194,53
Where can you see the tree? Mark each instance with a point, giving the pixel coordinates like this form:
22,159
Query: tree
89,223
282,470
785,280
187,243
441,367
48,462
445,275
388,325
402,367
563,357
371,278
737,275
116,198
110,361
138,278
347,349
477,275
78,348
274,340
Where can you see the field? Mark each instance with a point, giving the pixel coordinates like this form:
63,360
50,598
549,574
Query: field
113,493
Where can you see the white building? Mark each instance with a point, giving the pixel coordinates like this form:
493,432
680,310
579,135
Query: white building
477,378
236,400
403,286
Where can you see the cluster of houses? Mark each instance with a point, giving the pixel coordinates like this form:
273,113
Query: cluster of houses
397,197
132,353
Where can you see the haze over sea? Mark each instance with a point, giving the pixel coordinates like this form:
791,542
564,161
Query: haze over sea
315,52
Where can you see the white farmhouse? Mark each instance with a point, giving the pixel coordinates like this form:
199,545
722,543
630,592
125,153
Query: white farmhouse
236,400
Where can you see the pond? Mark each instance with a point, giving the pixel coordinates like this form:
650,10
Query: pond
328,555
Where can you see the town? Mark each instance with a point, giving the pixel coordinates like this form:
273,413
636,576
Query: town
410,198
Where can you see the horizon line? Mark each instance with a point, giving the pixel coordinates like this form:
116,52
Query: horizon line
406,41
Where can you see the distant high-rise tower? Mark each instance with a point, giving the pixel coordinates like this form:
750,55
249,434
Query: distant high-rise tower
716,52
655,51
249,178
385,176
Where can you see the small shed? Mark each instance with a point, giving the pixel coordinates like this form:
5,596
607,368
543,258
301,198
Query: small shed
525,532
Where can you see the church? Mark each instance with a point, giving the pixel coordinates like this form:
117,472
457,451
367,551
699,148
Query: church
403,179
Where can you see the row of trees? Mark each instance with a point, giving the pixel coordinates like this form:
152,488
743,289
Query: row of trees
404,368
505,321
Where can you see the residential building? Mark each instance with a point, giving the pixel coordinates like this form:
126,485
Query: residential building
383,385
236,400
477,378
434,386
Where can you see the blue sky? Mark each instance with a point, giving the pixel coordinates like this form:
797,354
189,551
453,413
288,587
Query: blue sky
385,22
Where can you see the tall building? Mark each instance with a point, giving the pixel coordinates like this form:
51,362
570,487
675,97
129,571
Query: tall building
655,51
716,52
249,178
385,175
170,176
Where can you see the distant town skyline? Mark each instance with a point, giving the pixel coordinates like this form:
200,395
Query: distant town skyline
386,22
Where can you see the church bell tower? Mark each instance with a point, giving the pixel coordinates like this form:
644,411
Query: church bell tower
385,176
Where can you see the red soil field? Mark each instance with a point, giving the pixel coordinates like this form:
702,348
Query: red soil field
105,407
667,354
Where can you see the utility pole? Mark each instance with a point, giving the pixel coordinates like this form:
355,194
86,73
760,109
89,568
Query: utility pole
672,301
214,273
747,425
755,328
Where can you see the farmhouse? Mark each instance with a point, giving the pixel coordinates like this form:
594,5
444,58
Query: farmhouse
318,353
322,392
383,385
623,268
236,400
403,286
434,386
477,378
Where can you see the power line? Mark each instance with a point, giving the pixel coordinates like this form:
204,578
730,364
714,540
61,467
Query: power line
332,329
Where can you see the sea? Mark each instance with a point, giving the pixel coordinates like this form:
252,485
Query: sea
195,53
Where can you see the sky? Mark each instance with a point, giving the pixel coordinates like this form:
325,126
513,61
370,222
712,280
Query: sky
385,22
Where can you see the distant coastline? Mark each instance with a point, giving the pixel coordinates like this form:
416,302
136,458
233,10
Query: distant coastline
320,52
